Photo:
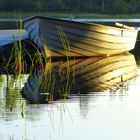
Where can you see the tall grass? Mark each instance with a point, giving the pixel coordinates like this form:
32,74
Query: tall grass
19,53
67,87
16,54
48,83
53,79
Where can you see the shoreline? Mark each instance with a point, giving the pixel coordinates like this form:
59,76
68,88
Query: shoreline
18,15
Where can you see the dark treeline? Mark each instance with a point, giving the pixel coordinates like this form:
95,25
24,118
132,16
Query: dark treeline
95,6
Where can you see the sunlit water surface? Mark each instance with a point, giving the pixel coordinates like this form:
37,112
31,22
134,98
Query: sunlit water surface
99,116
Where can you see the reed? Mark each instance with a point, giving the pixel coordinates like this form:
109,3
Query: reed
48,83
67,87
52,80
17,60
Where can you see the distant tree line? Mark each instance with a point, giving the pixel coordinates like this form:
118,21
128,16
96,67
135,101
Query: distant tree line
95,6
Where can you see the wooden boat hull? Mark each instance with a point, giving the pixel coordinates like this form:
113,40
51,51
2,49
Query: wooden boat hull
56,37
62,78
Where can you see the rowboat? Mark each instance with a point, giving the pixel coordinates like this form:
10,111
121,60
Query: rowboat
61,37
82,75
11,36
7,40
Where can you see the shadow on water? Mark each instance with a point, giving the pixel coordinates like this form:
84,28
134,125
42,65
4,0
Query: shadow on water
60,79
136,52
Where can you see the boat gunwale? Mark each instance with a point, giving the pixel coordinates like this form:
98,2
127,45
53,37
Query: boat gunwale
72,21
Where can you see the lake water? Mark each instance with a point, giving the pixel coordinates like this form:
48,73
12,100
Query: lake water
108,112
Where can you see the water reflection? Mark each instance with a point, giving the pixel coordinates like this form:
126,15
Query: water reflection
10,87
102,115
62,78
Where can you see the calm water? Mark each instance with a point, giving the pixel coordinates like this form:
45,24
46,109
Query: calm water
105,115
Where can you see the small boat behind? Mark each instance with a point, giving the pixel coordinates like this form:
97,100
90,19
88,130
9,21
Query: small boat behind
60,37
10,36
8,40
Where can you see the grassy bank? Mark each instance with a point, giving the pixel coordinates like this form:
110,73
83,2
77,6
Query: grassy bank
15,15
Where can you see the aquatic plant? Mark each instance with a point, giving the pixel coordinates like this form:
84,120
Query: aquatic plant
15,59
52,80
46,79
69,82
19,53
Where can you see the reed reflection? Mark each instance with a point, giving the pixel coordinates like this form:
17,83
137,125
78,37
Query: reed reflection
62,78
10,97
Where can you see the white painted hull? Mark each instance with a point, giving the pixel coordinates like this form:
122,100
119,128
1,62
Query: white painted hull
56,37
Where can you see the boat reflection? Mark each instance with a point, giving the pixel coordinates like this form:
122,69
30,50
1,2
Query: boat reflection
62,78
